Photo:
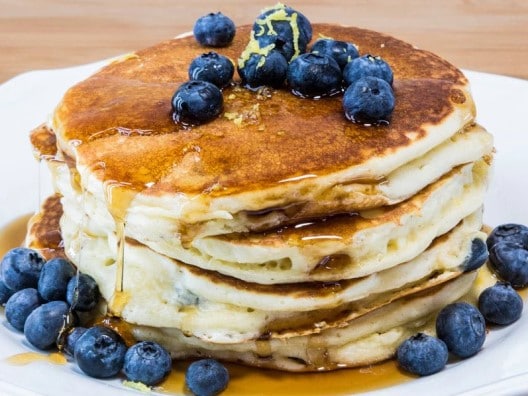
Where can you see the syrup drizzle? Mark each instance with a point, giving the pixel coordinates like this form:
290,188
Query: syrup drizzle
118,197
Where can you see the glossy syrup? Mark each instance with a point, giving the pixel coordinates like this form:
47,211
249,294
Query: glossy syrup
118,197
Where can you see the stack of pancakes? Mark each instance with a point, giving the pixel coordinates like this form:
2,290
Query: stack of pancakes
280,234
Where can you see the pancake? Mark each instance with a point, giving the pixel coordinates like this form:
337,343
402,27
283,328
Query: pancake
226,310
464,147
369,339
340,247
337,247
358,340
292,155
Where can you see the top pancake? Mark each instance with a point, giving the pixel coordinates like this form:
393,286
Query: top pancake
117,125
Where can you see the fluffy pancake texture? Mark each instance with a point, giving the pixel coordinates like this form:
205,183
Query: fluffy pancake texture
369,339
226,310
335,248
172,304
281,234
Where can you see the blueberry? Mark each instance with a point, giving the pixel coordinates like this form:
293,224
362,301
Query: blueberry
5,292
341,51
510,261
462,327
20,305
367,65
500,304
82,293
196,102
286,29
369,100
71,339
206,377
422,354
477,257
517,233
312,75
214,30
54,278
21,268
44,324
147,362
100,352
212,67
261,70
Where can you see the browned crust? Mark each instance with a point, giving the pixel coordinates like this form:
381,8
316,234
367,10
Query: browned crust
122,116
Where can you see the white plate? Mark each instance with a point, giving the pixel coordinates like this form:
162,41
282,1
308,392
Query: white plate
502,103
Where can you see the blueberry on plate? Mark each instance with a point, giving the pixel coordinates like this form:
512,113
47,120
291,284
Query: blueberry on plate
82,293
422,354
477,257
100,352
341,51
44,324
286,29
511,232
260,70
5,292
367,65
147,362
206,377
510,261
71,339
20,305
313,76
462,327
369,100
214,30
212,67
54,278
196,102
20,268
500,304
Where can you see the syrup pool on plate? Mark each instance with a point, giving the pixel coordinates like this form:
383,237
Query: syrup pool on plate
13,233
253,381
25,358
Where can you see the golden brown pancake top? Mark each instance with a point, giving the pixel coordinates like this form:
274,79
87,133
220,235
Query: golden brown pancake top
120,120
